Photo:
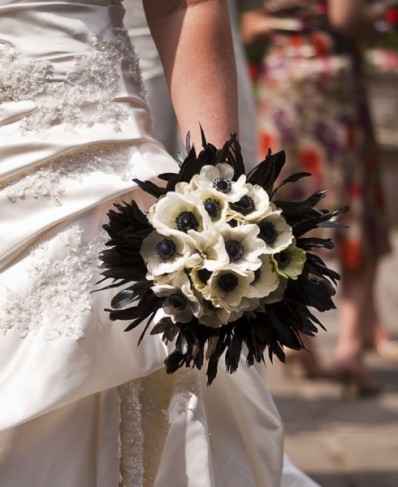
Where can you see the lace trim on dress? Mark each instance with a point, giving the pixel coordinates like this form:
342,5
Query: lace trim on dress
188,388
48,181
131,436
87,95
60,291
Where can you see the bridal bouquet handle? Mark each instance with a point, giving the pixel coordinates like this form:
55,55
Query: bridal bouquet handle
222,259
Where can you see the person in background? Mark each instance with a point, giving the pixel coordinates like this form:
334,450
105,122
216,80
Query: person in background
311,101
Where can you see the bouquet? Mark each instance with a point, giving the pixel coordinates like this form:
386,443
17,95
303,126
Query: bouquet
224,260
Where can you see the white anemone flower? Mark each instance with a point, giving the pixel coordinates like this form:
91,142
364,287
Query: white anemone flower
180,303
290,262
227,288
277,295
214,202
177,212
220,178
246,305
243,246
208,250
212,316
164,254
253,206
200,277
275,232
183,188
266,279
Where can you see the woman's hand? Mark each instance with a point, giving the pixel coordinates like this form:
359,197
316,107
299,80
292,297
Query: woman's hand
195,45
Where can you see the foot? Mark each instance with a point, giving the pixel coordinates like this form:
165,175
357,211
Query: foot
352,372
307,362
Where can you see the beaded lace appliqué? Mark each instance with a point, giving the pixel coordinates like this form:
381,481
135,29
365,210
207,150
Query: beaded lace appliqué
188,388
48,181
60,289
86,96
131,436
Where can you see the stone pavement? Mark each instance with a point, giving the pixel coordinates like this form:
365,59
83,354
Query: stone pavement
338,439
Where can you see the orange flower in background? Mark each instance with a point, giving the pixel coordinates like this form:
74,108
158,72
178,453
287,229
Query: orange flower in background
391,16
297,41
254,71
350,253
266,142
309,160
321,43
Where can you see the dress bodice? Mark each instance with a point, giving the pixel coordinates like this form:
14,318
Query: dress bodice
72,110
65,67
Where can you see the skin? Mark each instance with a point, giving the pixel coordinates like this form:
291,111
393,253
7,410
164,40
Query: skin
353,18
195,46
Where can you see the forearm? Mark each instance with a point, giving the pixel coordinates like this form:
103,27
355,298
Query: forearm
255,27
195,45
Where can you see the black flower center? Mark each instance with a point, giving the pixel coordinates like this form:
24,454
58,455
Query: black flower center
283,259
212,207
222,184
178,301
245,205
227,282
268,232
187,221
204,275
209,305
234,250
166,249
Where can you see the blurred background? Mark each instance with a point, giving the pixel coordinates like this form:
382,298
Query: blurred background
340,437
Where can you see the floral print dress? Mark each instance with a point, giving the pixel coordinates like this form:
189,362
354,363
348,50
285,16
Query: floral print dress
312,103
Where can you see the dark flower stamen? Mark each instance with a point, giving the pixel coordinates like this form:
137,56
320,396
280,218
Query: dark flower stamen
177,301
166,249
227,282
209,305
187,221
283,259
212,207
204,275
268,232
234,250
245,205
222,184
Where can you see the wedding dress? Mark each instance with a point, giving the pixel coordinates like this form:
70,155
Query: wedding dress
82,405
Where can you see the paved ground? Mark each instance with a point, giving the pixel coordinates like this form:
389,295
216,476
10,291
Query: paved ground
338,439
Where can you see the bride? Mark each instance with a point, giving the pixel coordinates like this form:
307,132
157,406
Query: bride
81,404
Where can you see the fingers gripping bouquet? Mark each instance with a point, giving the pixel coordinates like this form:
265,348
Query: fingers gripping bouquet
223,257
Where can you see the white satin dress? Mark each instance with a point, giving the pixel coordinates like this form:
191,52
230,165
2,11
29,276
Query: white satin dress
81,405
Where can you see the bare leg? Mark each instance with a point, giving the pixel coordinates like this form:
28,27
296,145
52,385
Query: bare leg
308,359
357,313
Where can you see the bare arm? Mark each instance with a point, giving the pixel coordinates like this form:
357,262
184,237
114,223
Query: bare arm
254,27
195,45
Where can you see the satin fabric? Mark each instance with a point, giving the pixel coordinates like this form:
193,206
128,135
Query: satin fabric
81,404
